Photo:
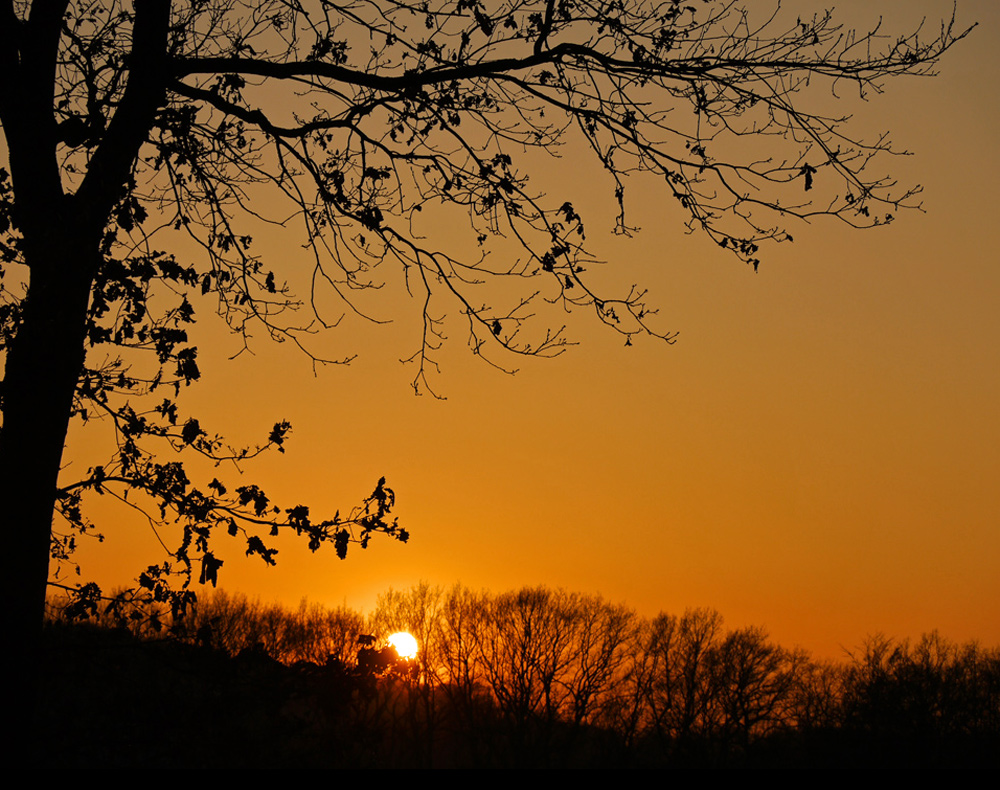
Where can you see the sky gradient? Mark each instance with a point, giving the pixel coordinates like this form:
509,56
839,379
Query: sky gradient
819,453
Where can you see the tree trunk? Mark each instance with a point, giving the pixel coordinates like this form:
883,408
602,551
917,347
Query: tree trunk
61,246
43,365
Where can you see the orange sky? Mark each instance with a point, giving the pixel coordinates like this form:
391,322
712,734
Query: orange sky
818,454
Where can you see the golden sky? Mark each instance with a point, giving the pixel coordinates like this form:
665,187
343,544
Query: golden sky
819,453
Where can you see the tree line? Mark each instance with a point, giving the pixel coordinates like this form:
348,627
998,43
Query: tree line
543,677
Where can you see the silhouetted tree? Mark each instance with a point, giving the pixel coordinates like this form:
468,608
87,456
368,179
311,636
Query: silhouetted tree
819,695
753,683
553,662
935,702
312,633
130,125
416,611
523,645
601,636
464,621
681,695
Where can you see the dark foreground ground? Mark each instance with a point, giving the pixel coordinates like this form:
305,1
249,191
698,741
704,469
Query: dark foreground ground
110,700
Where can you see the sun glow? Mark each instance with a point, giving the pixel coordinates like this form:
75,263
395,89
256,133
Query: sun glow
405,644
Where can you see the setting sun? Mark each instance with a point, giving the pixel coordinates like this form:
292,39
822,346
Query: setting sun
405,644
